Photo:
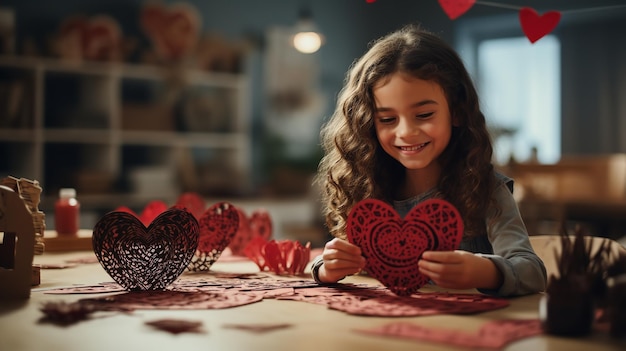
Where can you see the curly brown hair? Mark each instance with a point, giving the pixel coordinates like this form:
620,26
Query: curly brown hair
355,167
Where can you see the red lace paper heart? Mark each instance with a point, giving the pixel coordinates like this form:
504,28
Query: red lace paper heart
455,8
140,258
535,26
393,246
218,226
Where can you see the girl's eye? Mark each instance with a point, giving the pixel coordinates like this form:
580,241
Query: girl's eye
386,120
424,115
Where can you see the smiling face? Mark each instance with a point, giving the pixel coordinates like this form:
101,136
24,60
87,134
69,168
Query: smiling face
413,122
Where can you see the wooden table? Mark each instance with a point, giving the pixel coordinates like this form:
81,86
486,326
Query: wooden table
314,327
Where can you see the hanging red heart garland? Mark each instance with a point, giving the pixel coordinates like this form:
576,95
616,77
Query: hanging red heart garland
455,8
393,246
140,258
536,26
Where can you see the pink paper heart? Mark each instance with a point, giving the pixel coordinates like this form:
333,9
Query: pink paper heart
536,26
393,246
455,8
140,258
218,226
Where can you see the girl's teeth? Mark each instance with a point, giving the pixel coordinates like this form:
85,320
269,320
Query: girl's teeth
412,148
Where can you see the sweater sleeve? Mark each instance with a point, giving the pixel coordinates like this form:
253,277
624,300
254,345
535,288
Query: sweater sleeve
523,271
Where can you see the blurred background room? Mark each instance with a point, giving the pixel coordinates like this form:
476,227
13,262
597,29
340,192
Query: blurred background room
129,101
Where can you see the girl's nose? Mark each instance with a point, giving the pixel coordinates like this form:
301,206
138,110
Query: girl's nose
406,128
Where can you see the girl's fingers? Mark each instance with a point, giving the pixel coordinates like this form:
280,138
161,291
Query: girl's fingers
344,246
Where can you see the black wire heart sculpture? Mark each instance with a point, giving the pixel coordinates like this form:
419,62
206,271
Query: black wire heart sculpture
140,258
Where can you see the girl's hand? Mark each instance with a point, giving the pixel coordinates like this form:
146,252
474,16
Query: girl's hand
460,270
341,258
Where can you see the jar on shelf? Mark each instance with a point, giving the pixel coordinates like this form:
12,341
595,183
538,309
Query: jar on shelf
67,213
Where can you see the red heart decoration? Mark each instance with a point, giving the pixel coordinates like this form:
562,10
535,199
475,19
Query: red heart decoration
261,224
149,213
218,226
281,257
193,202
258,224
455,8
173,29
140,258
393,246
95,38
536,26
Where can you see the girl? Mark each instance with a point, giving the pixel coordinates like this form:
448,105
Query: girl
408,127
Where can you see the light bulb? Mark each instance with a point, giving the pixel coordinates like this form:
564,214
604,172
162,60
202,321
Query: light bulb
307,42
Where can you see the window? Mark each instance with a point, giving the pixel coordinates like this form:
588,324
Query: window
519,84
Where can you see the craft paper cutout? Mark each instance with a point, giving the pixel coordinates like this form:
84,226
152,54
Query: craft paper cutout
424,304
259,224
281,257
393,246
65,313
107,287
167,300
177,326
140,258
218,226
149,213
491,335
192,202
257,328
455,8
536,26
214,291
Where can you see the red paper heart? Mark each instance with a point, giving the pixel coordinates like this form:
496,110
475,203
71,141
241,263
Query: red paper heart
193,202
455,8
140,258
393,246
259,224
281,257
149,213
218,226
536,26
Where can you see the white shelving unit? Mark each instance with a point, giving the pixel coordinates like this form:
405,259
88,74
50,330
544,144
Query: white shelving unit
120,133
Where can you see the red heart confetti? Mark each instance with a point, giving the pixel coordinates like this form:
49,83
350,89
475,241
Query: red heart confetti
140,258
455,8
536,26
393,246
218,226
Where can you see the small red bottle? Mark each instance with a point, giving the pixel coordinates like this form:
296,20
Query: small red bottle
67,213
